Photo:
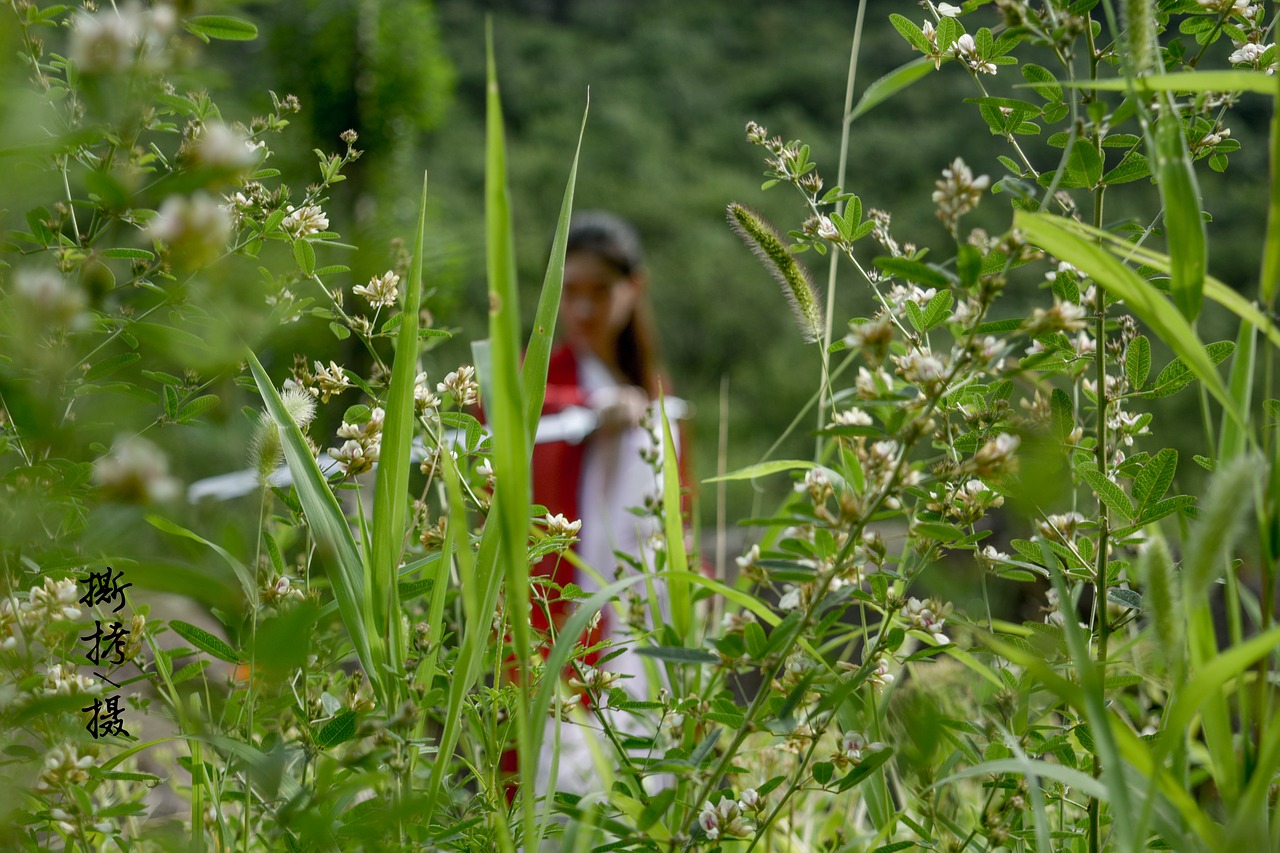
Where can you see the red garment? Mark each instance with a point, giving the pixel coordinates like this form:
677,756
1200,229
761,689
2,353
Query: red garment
557,470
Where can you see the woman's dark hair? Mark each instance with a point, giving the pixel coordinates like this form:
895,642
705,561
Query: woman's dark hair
615,241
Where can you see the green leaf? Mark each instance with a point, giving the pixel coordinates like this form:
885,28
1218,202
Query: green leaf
1062,414
1137,362
1126,598
763,469
869,765
203,640
1045,84
915,271
1155,478
139,254
755,639
1133,167
1107,491
340,729
108,366
823,771
170,402
305,255
221,27
912,33
895,81
340,331
195,408
677,654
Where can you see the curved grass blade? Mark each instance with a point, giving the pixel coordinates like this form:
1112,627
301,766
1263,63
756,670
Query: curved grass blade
1048,232
891,84
333,537
533,373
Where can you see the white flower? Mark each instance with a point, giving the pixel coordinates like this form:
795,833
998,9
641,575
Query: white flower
827,229
946,10
461,384
790,599
748,559
355,457
304,221
853,745
195,227
558,525
136,471
423,400
1249,52
46,291
381,291
222,147
851,417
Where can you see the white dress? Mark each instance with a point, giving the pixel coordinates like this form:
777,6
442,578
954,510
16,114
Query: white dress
615,478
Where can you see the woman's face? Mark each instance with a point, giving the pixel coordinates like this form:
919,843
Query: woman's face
597,302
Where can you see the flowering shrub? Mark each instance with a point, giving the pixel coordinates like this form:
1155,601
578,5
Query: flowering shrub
370,663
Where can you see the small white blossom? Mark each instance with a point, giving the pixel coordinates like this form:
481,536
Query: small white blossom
558,525
305,221
381,291
462,385
946,10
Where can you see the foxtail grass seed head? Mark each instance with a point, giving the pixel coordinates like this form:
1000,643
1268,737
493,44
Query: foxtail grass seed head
266,450
763,240
1140,35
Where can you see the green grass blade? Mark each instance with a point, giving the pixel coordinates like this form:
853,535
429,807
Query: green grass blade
1094,696
475,631
1214,288
241,570
1048,232
1271,246
334,541
533,373
1186,81
1184,226
891,84
1234,436
673,520
511,443
390,493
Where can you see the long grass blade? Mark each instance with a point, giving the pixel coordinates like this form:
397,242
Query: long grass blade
1234,437
1091,685
393,470
335,543
511,498
533,373
673,520
1048,232
1271,245
1184,226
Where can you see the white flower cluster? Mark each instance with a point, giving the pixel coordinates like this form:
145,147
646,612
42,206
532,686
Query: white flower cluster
304,221
958,191
381,291
136,471
117,39
727,818
928,616
363,445
462,385
966,51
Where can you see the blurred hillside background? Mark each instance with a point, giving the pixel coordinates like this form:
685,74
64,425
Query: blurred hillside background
672,85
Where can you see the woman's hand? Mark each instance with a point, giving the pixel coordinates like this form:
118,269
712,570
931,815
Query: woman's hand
620,407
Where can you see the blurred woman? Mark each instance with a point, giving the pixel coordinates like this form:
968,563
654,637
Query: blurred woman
607,364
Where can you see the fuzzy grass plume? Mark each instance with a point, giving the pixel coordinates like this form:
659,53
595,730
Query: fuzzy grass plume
265,450
762,238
